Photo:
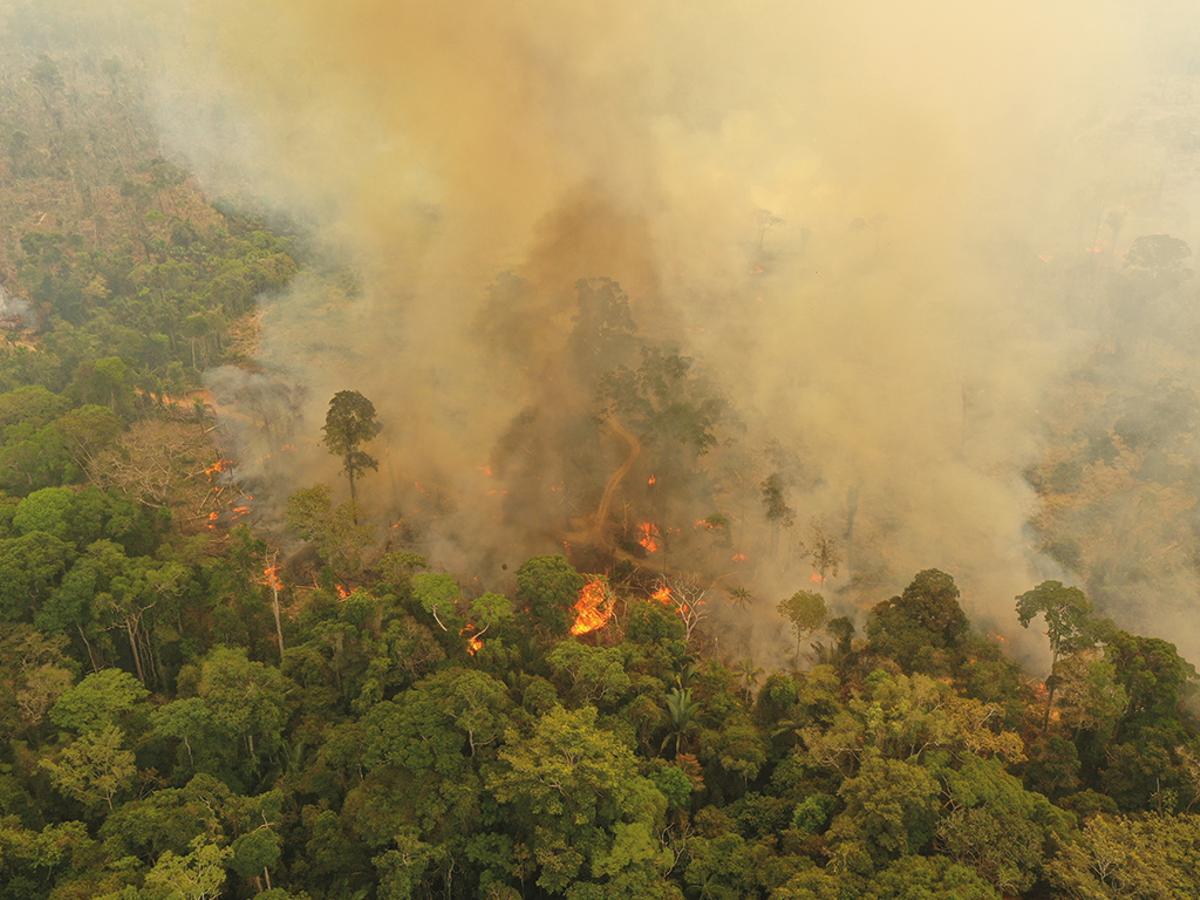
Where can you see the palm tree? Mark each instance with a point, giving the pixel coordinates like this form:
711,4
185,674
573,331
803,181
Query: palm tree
682,710
748,674
740,597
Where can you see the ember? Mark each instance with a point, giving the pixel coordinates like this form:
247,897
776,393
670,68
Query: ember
594,607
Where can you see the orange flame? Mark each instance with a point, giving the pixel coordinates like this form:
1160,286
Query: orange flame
649,536
219,466
738,557
651,481
241,510
342,592
816,578
662,595
487,471
474,642
593,609
271,573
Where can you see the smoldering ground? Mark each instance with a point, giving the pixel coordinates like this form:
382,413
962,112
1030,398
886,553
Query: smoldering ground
853,218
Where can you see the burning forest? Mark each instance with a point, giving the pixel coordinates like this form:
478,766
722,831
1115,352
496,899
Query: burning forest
564,450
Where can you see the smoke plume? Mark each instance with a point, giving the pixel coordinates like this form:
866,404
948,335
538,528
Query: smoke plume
851,217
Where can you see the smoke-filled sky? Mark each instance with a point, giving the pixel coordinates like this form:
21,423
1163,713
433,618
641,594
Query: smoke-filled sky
847,213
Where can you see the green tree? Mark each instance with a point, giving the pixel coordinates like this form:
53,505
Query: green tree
30,567
806,612
1069,625
580,805
255,853
997,827
349,423
548,587
890,811
47,510
246,701
923,628
1131,856
333,530
101,699
94,768
928,878
197,875
682,711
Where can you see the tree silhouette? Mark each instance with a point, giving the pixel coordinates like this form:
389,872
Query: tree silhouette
349,423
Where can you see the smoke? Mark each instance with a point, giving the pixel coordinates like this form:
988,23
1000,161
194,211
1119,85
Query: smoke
15,312
846,214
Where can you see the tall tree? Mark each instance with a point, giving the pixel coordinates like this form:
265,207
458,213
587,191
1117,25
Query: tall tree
1070,626
805,612
350,423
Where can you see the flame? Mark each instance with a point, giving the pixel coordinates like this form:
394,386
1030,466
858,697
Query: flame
487,471
738,557
219,466
816,578
998,637
662,595
241,510
212,520
593,609
271,573
651,481
342,592
649,536
474,642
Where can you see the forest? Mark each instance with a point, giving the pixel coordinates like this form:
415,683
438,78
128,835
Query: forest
226,676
